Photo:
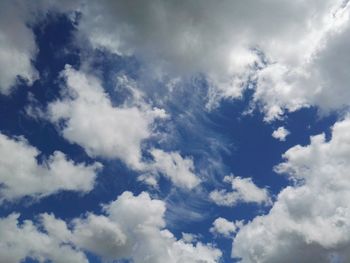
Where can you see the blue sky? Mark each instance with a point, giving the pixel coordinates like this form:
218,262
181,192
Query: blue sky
151,132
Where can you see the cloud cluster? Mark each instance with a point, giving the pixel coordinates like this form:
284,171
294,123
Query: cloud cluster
243,190
309,222
21,241
22,175
17,45
132,228
287,48
90,120
85,115
180,170
222,226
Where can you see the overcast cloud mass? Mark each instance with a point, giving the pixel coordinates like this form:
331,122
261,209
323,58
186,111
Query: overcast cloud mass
175,131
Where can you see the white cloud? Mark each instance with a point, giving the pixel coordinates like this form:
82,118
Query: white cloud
280,134
90,120
19,241
309,222
178,169
139,234
21,174
299,40
244,190
17,45
224,41
17,41
222,226
189,237
94,123
133,228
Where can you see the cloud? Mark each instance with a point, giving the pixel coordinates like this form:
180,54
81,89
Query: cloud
309,221
133,228
19,241
85,115
18,48
17,45
189,237
244,190
21,175
287,48
290,56
178,169
222,226
139,233
315,79
280,134
91,120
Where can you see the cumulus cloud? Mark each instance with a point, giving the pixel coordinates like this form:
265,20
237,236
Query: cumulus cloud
178,169
244,190
222,226
287,47
19,241
132,227
139,234
21,174
280,134
17,45
91,120
18,48
85,115
289,56
309,222
315,79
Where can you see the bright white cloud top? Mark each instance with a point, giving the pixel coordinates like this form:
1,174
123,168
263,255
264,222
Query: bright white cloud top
243,190
93,123
33,179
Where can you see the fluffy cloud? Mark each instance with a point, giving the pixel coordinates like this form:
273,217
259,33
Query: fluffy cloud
290,56
315,78
287,47
280,134
91,120
17,45
244,190
21,174
138,234
178,169
133,227
87,117
21,241
17,41
222,226
309,222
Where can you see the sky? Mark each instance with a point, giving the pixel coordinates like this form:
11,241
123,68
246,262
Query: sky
174,131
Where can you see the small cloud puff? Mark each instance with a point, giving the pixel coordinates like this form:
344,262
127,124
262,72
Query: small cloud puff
222,226
244,190
280,134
